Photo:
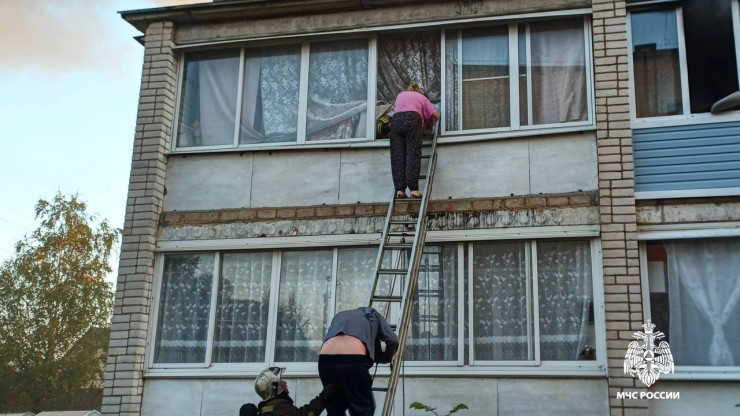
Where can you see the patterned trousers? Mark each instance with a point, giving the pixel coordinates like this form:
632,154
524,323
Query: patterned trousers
406,132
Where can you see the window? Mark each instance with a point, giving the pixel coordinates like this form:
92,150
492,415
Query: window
542,81
683,59
694,291
263,307
285,93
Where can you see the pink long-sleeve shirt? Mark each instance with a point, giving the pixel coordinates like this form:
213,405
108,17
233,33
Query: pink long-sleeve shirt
414,101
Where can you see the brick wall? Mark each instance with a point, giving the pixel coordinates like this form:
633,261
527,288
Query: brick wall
124,385
622,291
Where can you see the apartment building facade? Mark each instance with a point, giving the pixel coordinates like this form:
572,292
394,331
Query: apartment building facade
582,188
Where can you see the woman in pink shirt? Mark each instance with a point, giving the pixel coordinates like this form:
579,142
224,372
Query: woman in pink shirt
412,110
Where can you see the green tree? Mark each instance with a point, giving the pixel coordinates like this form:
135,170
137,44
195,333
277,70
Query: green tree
55,308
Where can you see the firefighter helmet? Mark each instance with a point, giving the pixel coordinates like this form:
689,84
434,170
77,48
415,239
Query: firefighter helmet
268,385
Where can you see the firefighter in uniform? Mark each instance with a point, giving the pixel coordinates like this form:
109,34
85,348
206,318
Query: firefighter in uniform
276,401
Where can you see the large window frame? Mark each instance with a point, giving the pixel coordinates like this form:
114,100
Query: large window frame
515,130
687,118
684,232
535,367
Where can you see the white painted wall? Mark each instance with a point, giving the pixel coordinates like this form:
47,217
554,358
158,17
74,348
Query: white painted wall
711,398
488,169
484,396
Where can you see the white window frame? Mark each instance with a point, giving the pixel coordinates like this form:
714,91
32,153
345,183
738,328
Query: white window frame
596,368
302,100
515,124
687,118
515,130
683,232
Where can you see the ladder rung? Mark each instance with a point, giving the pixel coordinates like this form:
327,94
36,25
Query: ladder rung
386,298
379,388
400,234
426,156
399,246
393,271
403,221
411,198
422,176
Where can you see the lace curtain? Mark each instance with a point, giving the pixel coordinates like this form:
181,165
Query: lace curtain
242,308
270,96
500,319
208,102
409,56
304,305
565,296
337,90
184,308
704,301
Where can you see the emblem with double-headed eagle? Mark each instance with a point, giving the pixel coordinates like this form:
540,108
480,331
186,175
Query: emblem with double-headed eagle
646,361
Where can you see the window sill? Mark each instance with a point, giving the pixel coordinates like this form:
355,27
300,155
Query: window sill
684,120
591,369
447,138
703,373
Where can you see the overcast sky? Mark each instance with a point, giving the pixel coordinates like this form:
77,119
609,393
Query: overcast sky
69,79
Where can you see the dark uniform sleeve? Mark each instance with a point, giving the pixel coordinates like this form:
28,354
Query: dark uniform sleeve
313,408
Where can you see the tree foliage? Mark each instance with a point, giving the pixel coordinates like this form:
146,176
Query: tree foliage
55,308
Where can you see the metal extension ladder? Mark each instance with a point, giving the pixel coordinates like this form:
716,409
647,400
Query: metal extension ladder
398,230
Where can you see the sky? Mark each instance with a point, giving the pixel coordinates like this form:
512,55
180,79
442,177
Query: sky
70,74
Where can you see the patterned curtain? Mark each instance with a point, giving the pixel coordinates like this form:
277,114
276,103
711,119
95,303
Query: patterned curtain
304,309
337,90
409,56
270,98
500,302
242,308
433,332
565,298
184,308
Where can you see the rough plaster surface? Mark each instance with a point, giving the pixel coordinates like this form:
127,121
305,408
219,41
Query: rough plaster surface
683,213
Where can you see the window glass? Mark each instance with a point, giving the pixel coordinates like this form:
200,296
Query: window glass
304,305
710,52
657,73
184,308
558,67
242,308
565,300
208,101
523,80
337,90
695,298
501,318
434,318
270,95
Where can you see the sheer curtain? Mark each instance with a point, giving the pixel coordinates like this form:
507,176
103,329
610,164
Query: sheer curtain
409,56
565,295
270,97
704,299
500,319
184,308
304,307
208,102
337,90
433,332
558,71
242,307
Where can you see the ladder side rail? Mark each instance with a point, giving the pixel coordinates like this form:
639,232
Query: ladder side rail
381,247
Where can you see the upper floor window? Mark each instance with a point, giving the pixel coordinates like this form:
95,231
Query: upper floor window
490,79
683,58
277,94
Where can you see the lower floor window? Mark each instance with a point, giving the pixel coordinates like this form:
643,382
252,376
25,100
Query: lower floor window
695,298
477,303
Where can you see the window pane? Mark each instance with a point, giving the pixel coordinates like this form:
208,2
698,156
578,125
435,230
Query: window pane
558,71
452,78
184,308
523,83
501,319
304,307
703,298
355,277
710,52
433,332
657,73
485,78
565,300
242,308
337,90
409,56
270,98
208,101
